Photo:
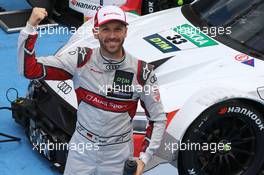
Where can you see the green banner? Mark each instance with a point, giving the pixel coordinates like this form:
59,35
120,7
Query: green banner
194,35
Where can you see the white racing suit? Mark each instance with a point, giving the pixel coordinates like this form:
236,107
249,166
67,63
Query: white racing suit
107,93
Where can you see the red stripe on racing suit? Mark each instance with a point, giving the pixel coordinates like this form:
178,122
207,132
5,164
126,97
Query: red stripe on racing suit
147,137
35,70
106,104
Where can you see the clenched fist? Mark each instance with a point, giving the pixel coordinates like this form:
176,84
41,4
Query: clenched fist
37,15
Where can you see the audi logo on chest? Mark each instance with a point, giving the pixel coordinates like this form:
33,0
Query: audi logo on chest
64,87
112,67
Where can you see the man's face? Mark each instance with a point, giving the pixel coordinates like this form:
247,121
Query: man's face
111,36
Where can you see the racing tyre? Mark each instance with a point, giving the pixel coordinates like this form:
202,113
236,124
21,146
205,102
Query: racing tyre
227,138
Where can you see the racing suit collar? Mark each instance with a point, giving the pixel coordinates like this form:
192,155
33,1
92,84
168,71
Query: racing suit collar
113,61
109,64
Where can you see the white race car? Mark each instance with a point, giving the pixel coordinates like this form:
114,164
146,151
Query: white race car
209,64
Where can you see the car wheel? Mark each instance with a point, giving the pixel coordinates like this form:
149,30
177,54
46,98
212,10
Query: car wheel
227,138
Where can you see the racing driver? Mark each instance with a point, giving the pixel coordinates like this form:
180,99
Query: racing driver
108,83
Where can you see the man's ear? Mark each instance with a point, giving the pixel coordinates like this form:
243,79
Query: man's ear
95,33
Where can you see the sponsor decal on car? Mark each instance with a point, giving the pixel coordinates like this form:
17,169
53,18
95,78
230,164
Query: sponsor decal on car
84,7
169,41
179,38
161,43
242,110
195,36
243,58
64,87
249,62
176,39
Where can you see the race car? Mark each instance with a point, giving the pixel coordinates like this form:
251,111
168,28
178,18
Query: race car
208,58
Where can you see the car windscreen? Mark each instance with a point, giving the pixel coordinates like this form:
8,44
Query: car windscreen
244,18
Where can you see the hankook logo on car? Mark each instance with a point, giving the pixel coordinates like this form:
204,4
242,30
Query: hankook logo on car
84,7
245,112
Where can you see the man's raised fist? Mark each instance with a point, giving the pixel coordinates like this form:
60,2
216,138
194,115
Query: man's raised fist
37,15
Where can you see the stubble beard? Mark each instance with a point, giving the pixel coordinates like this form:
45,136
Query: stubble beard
109,51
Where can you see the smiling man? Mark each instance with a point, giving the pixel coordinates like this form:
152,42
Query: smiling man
104,117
